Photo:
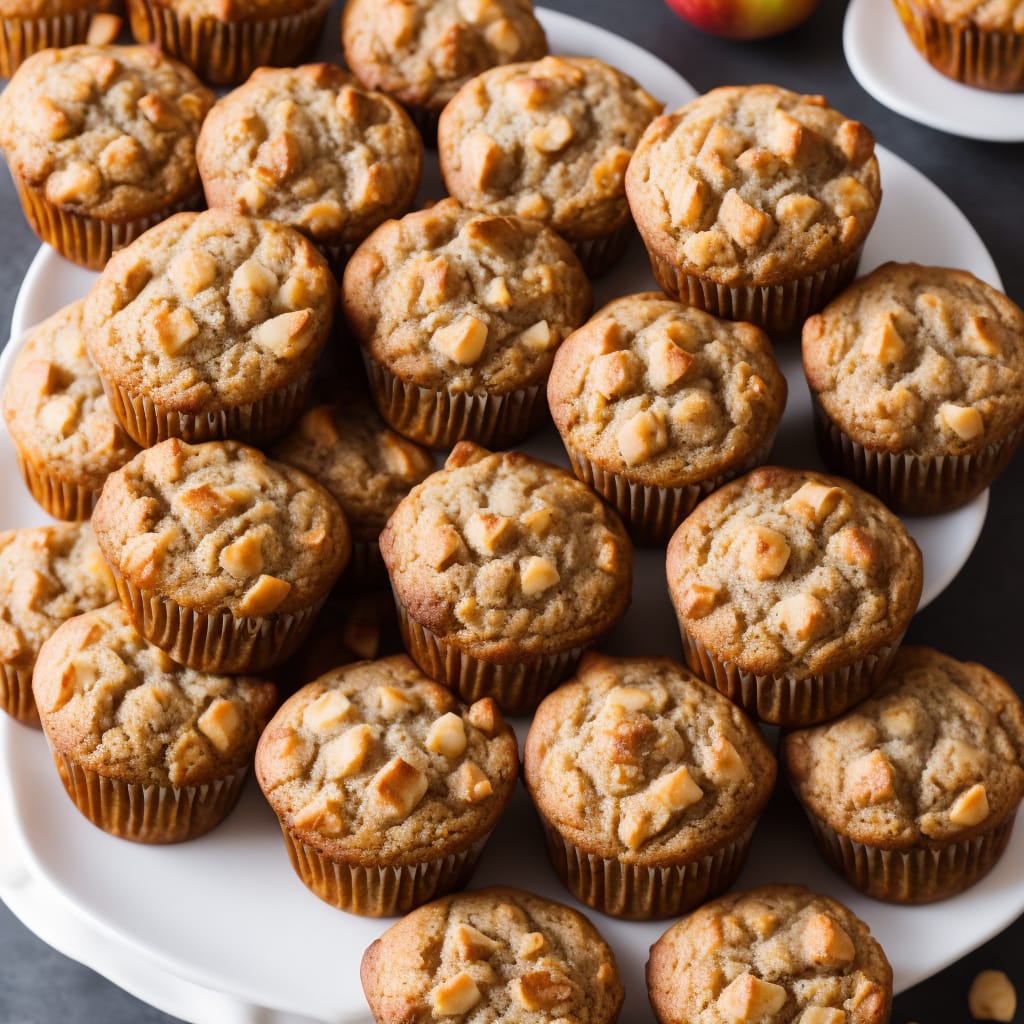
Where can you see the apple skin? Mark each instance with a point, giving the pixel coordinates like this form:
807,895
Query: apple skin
744,19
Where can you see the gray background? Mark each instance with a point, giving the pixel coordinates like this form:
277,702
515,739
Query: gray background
979,617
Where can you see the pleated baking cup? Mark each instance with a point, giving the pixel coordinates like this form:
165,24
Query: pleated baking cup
910,484
962,51
439,418
778,309
640,893
21,37
517,687
256,423
219,642
912,876
783,700
16,694
227,52
88,241
62,499
383,891
599,255
148,813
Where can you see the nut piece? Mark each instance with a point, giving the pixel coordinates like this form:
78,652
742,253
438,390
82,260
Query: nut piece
541,990
629,698
746,225
287,335
798,211
395,702
821,1015
462,341
397,788
441,546
537,574
747,999
667,363
471,784
457,996
964,421
970,807
724,763
855,142
221,723
676,791
264,596
992,997
472,944
193,271
553,136
813,502
538,520
538,337
613,374
787,135
327,711
687,202
346,755
699,600
59,415
244,557
884,344
855,547
825,942
641,437
802,616
763,551
481,158
447,736
486,531
530,945
174,329
983,336
869,779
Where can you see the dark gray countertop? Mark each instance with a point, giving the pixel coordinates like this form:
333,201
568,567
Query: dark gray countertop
977,617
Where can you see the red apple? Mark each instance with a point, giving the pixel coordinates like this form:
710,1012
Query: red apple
744,19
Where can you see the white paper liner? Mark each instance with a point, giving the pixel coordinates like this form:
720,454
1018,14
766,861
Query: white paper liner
16,694
62,499
21,37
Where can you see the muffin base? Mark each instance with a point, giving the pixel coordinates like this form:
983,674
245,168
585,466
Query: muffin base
88,241
778,309
960,50
912,876
216,643
258,422
599,255
781,700
223,52
379,891
22,37
62,499
908,483
16,695
439,418
517,687
639,893
148,814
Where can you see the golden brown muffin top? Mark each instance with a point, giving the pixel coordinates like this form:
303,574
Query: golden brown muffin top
49,8
665,394
122,708
638,759
422,51
220,526
495,954
548,140
210,310
309,147
237,10
104,131
55,407
377,764
919,359
349,449
453,298
503,554
47,575
933,757
777,953
754,185
796,571
988,15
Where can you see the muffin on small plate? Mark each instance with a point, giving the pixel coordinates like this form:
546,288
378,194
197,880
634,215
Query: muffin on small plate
793,590
917,377
506,954
912,795
386,787
100,142
147,750
754,202
28,26
658,404
222,557
649,784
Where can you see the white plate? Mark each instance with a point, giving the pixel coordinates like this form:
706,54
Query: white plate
886,63
226,913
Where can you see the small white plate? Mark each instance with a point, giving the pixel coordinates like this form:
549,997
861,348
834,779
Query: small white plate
887,65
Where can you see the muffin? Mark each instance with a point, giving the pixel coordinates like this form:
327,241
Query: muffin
549,141
912,795
28,26
971,41
47,575
147,750
422,52
793,590
222,557
386,787
503,954
504,569
658,404
777,953
648,783
209,327
310,148
100,141
458,315
917,376
368,468
226,40
66,439
754,202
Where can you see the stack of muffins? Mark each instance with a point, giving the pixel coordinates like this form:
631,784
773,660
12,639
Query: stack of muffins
141,641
